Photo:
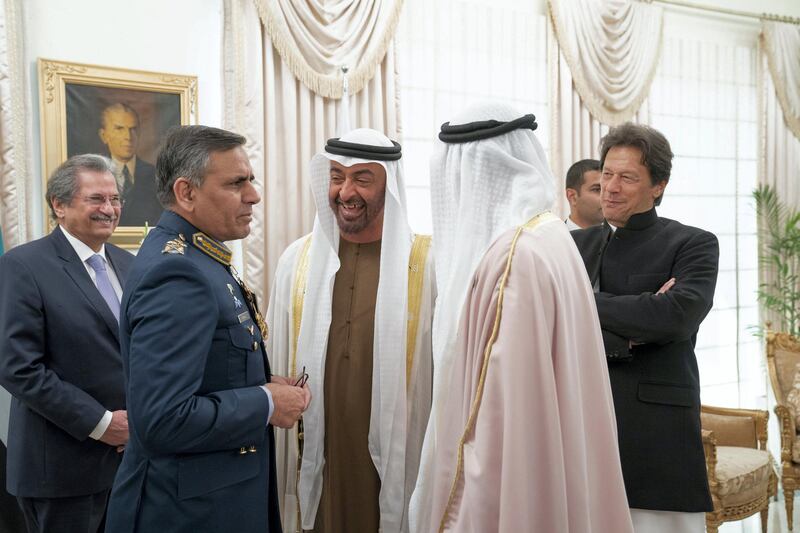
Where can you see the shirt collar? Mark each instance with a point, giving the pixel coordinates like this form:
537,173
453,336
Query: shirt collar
81,248
131,164
571,225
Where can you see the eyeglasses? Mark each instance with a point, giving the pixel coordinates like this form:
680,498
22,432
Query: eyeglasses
301,382
97,200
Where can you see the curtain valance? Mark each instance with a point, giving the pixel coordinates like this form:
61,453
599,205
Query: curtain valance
782,48
612,49
315,38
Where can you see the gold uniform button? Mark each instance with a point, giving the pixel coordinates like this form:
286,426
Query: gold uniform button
252,449
255,346
242,450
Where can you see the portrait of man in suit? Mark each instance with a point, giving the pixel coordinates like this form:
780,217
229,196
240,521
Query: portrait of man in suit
59,339
126,125
119,131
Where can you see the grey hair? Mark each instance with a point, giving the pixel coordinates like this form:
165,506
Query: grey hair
63,182
185,154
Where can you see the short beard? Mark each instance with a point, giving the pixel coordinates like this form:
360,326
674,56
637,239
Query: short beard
371,212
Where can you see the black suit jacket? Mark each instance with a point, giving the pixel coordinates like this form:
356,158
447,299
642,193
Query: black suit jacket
60,360
655,384
141,203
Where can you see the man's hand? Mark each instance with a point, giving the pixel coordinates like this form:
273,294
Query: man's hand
116,433
663,290
666,286
290,402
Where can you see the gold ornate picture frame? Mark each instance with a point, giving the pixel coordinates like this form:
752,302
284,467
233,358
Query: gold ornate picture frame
115,112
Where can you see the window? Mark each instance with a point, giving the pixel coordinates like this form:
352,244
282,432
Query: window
453,53
703,99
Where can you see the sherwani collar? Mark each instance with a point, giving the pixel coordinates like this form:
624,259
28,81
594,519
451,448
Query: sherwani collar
641,221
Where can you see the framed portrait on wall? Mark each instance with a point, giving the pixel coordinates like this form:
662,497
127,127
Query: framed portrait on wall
122,114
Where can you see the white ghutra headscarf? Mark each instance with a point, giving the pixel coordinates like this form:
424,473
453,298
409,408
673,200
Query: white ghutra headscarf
479,189
387,430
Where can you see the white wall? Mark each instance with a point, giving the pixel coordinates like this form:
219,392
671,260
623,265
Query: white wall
174,36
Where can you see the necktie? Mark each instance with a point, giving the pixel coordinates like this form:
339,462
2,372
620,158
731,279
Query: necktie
104,284
127,181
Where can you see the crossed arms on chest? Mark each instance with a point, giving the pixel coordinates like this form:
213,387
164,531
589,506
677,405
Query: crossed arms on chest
666,317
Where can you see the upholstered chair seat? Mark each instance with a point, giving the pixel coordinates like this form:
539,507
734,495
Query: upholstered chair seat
743,474
741,471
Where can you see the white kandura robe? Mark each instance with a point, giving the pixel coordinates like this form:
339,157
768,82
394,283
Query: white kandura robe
280,319
542,454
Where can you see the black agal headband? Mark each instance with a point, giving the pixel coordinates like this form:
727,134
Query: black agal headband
363,151
484,129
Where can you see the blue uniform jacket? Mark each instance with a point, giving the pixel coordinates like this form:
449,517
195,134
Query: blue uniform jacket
201,456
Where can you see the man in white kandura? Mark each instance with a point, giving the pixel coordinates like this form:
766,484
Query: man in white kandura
351,312
522,435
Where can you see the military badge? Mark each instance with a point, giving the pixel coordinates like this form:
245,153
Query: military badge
214,249
252,304
175,246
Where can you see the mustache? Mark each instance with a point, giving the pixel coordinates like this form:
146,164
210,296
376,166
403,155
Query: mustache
103,218
354,203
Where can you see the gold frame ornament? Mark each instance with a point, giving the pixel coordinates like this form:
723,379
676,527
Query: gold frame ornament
55,76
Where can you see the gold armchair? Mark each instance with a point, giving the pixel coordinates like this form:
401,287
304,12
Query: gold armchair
783,355
741,471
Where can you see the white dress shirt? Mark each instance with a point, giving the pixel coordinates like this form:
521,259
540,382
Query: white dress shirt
571,225
84,253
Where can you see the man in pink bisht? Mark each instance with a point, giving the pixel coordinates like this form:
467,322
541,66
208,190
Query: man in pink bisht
522,435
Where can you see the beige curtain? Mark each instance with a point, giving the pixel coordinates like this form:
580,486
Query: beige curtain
612,49
286,122
781,44
316,37
780,157
779,161
14,157
575,132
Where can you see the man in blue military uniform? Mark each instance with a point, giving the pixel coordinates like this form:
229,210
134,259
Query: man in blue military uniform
201,399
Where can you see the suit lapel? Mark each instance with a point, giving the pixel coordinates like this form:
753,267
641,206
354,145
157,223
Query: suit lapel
118,263
77,272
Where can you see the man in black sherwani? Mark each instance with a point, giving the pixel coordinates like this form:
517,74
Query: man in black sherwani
654,282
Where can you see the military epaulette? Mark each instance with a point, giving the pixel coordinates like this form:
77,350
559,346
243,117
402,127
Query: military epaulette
175,246
212,248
